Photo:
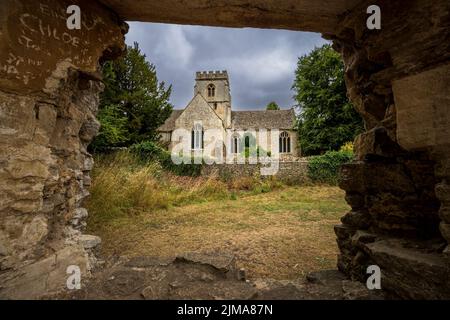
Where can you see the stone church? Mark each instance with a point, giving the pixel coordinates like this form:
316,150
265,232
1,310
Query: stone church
211,108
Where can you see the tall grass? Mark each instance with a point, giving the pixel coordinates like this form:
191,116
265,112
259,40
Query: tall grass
122,185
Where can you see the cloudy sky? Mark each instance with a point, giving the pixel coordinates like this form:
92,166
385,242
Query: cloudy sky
260,62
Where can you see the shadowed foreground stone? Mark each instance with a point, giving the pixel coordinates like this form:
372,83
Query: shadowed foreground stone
424,274
397,79
210,276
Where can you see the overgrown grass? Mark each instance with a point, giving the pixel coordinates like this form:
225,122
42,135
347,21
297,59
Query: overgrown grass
274,230
123,184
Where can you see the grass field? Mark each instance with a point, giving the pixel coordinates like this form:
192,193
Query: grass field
279,231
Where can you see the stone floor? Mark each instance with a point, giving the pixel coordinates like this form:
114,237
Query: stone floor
209,276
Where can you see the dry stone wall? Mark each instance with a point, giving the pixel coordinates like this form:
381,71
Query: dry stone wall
49,91
289,171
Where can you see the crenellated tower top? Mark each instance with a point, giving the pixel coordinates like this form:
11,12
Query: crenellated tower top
212,75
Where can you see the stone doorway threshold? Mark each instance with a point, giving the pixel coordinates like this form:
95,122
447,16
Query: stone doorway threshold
210,276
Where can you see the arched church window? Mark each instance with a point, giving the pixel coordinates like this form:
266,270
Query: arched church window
235,143
197,136
211,90
247,141
285,142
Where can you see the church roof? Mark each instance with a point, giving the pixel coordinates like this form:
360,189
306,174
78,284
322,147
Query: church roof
169,124
268,119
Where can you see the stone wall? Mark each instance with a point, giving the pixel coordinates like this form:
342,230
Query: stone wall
397,78
49,91
289,171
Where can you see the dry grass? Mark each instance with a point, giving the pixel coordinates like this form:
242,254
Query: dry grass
281,232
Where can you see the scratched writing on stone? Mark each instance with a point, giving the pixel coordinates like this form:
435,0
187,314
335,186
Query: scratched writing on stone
42,38
35,25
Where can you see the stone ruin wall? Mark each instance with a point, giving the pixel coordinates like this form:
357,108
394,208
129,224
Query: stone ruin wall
288,171
49,94
398,187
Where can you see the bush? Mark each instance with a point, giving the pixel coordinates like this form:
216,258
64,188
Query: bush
148,151
325,168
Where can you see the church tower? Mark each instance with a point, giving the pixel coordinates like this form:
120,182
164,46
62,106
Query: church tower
215,88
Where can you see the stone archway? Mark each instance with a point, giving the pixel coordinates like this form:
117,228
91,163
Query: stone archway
397,77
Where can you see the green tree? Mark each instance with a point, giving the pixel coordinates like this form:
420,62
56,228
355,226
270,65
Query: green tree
134,103
113,130
272,106
326,119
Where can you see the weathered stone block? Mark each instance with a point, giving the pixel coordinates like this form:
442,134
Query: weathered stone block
24,169
89,241
445,230
388,177
360,177
343,231
376,142
357,219
344,263
68,256
355,200
351,177
442,168
27,206
443,192
34,232
361,237
46,119
421,172
411,274
404,215
89,129
444,212
423,119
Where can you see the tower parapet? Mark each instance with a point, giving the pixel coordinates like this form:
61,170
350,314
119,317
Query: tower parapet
211,75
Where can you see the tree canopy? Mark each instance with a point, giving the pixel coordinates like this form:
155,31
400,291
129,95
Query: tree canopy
272,106
134,103
326,119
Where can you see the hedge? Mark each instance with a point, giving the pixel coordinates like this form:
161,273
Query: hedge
325,168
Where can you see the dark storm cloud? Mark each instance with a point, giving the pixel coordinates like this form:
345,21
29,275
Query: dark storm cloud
260,62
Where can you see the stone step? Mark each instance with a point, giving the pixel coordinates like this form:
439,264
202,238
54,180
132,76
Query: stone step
409,270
